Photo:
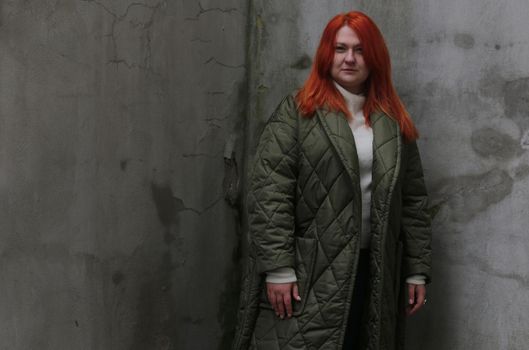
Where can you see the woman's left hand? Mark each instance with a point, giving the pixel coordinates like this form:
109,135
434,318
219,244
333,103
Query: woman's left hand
416,298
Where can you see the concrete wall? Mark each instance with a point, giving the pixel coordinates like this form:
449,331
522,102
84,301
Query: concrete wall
126,128
114,118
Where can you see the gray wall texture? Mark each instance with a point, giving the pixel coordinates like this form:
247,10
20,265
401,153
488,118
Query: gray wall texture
127,128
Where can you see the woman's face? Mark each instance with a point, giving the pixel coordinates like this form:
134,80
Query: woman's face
348,66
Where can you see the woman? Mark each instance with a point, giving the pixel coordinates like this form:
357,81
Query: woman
338,215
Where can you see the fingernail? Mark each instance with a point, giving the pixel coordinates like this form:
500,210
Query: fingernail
410,301
298,298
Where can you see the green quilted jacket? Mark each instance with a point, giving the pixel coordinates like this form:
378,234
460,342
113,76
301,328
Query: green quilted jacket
304,211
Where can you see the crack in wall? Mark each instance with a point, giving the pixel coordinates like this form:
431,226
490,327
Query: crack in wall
214,60
143,26
168,205
195,155
210,119
202,10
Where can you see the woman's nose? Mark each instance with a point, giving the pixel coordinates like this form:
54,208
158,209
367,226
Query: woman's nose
350,57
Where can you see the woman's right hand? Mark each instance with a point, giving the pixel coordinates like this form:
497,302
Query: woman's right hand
280,297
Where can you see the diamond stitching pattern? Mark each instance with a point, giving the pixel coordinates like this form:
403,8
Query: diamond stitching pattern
336,226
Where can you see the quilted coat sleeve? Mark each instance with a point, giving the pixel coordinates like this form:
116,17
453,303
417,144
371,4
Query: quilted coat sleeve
415,222
272,190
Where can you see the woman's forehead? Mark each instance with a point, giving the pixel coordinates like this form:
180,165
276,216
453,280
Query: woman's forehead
346,36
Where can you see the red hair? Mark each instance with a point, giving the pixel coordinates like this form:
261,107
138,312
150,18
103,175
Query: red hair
381,96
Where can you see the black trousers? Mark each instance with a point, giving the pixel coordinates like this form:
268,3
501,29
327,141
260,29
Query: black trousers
353,330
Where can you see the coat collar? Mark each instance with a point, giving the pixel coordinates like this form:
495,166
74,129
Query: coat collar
387,144
386,149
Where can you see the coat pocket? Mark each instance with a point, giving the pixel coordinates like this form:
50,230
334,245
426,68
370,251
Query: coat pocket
306,249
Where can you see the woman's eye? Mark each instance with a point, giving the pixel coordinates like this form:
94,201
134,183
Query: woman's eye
358,49
340,49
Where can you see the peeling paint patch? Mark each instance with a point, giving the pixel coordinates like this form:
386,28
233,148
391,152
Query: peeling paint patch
304,62
466,196
489,142
464,41
231,183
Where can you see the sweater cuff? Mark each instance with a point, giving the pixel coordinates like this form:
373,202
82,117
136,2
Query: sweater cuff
281,275
416,279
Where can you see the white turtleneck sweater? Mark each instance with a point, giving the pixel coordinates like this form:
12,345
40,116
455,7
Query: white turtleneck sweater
363,137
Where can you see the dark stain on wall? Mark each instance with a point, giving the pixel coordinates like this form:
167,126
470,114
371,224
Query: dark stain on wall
304,62
167,206
157,316
466,196
487,267
521,172
169,237
436,38
464,40
516,95
123,164
229,298
118,277
489,142
157,323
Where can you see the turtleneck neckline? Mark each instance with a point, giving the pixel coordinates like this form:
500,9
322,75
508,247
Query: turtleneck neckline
355,102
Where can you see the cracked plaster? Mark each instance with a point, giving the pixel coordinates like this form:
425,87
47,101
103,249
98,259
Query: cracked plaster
113,129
